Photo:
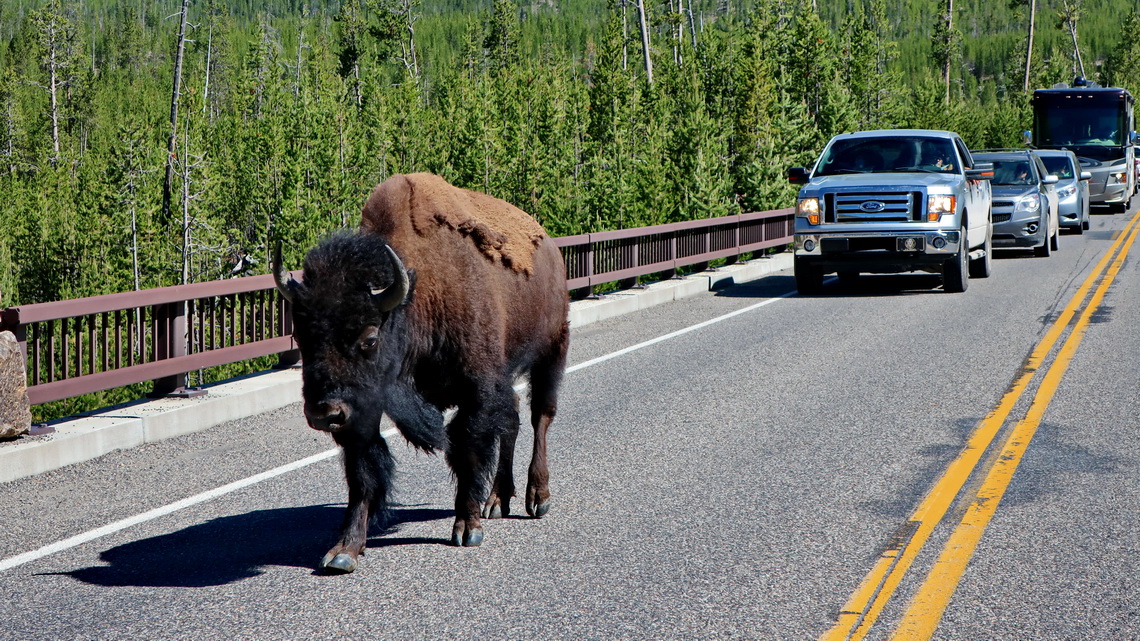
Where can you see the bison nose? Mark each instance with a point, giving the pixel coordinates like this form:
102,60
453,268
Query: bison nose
328,416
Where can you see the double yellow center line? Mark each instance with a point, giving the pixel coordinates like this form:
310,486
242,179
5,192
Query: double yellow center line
926,608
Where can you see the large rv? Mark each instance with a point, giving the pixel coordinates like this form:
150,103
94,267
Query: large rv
1096,123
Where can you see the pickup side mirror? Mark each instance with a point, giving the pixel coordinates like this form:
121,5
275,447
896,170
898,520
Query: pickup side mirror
981,171
799,175
1051,179
1086,175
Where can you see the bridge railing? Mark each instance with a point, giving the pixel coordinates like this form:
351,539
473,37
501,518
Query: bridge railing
76,347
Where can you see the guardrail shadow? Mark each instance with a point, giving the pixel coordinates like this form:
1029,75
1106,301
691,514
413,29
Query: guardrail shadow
231,548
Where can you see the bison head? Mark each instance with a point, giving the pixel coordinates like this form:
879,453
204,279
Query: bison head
347,320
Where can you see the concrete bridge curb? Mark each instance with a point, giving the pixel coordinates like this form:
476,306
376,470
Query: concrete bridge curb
87,436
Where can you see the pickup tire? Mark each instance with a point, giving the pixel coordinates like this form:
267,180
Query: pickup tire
809,277
981,267
955,271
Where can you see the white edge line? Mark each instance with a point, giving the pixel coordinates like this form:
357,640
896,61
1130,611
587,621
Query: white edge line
671,335
117,526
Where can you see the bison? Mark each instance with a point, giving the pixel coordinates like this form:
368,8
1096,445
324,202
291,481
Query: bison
442,299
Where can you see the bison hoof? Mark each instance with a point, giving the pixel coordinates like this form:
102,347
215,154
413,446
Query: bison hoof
463,536
538,510
339,564
497,509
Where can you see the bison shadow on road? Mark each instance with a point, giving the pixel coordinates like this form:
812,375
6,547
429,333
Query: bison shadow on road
231,548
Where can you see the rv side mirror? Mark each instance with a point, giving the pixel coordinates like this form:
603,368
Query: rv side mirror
798,175
1135,137
1028,137
1086,175
981,171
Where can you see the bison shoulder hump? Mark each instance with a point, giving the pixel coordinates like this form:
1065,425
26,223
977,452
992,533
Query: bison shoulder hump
499,230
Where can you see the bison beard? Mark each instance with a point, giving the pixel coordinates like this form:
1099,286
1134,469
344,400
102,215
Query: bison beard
453,329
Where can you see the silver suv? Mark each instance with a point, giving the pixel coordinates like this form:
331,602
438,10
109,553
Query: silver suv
1072,187
893,201
1025,201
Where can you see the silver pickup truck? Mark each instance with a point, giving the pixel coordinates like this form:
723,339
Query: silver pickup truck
893,201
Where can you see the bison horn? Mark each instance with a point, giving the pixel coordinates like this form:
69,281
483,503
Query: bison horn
393,295
285,282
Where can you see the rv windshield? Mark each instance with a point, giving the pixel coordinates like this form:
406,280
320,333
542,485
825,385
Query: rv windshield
1092,125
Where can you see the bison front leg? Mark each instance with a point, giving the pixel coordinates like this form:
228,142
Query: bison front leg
474,436
368,469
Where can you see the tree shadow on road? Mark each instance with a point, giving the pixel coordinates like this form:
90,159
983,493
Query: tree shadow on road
231,548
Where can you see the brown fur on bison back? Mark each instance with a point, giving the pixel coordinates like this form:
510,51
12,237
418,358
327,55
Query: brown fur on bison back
480,262
502,232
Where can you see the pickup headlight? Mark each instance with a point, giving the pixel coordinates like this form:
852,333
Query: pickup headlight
936,206
808,208
1065,192
1029,203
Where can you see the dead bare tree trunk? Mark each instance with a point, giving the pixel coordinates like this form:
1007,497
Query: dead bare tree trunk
949,58
1029,46
624,35
409,50
206,87
301,48
1070,15
692,24
645,40
172,144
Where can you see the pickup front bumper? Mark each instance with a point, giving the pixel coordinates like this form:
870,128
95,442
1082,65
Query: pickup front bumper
881,252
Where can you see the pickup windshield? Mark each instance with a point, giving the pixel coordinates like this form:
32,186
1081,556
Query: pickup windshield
879,155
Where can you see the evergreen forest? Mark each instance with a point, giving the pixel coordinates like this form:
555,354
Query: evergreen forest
146,143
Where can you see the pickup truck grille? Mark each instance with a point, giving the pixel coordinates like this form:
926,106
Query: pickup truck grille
872,207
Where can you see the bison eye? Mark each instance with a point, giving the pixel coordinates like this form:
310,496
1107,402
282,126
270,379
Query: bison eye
369,343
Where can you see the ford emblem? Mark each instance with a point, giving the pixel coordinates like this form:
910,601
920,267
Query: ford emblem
873,206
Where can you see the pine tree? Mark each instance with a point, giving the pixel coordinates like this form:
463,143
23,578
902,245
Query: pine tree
1122,69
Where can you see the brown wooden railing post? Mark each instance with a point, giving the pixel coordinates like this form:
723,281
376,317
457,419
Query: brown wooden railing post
170,343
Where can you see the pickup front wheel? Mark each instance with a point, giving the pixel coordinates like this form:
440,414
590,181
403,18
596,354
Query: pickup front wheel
955,272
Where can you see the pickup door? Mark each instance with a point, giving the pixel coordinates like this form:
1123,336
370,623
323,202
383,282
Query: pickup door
978,198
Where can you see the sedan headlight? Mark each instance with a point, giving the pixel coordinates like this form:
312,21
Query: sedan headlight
1065,192
1029,203
936,206
808,208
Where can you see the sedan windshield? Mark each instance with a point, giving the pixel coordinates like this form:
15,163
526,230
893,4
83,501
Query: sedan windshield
1013,172
1059,166
877,155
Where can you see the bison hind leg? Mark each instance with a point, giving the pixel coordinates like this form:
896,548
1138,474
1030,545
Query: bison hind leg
498,505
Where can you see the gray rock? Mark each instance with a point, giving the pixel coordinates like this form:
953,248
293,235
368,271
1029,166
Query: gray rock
15,410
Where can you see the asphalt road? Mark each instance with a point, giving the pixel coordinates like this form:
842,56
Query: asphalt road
740,480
